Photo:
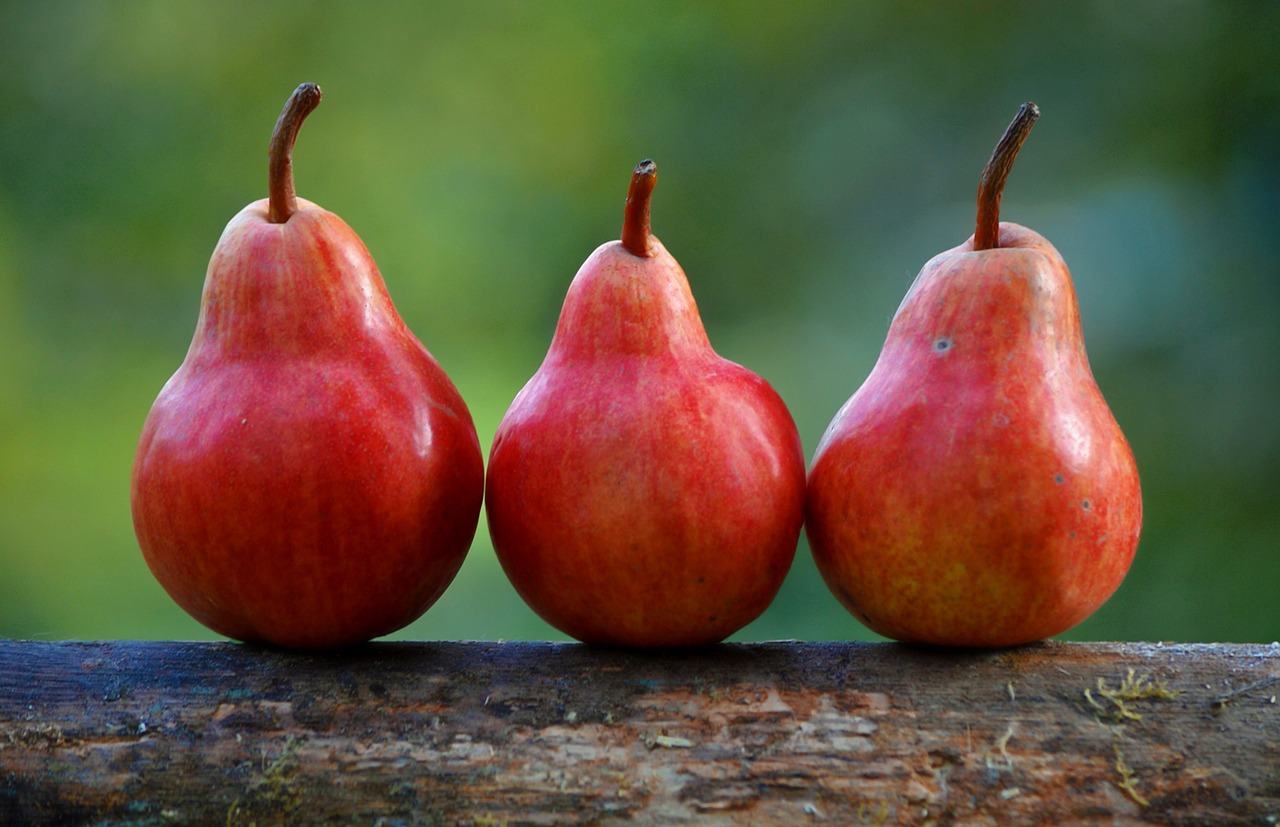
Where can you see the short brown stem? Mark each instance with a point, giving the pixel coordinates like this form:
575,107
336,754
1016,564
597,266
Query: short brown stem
635,220
990,188
283,201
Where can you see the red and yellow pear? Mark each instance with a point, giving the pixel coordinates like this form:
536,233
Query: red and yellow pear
643,491
976,490
309,477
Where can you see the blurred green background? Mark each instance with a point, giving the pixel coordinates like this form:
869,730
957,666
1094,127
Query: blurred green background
813,156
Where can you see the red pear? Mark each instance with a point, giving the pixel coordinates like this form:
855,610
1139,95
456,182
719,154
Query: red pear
976,490
642,490
309,477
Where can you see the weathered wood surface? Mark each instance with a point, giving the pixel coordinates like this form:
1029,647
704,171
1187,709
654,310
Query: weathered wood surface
538,733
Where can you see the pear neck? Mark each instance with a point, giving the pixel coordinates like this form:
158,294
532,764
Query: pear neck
305,287
978,309
622,305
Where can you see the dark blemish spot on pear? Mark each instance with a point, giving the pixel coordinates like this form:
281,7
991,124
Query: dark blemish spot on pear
942,345
1059,479
1086,505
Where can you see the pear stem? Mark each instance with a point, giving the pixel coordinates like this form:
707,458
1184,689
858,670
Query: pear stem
991,186
282,199
635,221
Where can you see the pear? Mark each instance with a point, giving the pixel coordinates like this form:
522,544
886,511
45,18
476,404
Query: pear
976,490
643,491
309,477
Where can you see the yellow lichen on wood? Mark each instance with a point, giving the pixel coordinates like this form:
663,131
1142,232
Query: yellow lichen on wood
274,792
1132,688
1128,782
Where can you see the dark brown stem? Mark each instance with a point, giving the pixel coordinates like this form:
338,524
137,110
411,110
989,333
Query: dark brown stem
283,201
635,221
990,188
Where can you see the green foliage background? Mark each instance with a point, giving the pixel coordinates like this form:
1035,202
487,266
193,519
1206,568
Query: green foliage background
813,155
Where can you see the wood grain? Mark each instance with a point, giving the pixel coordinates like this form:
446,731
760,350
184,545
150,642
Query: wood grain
539,733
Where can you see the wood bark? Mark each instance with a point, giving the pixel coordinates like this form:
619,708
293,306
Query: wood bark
540,733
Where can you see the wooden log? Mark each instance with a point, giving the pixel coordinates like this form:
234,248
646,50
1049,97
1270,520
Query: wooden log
541,733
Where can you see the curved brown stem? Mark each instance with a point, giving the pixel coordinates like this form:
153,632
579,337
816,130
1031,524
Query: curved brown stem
282,200
635,220
991,186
